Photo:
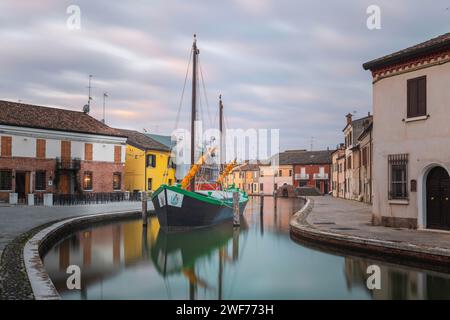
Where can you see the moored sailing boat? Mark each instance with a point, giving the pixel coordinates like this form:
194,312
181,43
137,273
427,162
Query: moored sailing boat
183,205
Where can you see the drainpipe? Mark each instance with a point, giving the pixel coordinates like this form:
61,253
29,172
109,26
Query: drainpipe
145,171
371,163
337,177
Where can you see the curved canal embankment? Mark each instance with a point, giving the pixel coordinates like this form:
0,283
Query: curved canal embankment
22,272
413,253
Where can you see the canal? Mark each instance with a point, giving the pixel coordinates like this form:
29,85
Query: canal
258,260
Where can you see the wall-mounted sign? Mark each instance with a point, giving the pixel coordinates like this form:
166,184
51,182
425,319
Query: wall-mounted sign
413,185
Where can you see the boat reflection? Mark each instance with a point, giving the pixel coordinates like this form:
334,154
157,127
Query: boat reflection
105,251
180,253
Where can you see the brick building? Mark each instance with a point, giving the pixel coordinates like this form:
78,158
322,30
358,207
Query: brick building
50,150
312,169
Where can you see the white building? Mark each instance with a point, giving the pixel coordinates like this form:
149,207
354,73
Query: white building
411,136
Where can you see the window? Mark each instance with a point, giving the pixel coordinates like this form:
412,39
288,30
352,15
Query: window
40,180
117,181
365,156
87,180
40,148
280,173
349,162
5,179
88,152
149,184
275,186
417,97
398,176
170,182
65,149
318,183
117,154
6,146
171,163
303,183
261,186
290,173
151,160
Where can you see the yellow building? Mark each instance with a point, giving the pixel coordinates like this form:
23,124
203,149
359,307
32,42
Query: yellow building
147,163
245,177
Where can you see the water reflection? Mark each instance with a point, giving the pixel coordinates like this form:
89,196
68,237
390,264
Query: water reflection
398,282
257,260
181,253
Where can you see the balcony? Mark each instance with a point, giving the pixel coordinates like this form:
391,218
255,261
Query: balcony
320,176
301,176
68,163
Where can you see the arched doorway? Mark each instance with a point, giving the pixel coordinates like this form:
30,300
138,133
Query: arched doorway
438,199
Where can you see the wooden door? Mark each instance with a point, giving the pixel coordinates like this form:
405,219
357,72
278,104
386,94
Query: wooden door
64,184
20,184
27,183
438,199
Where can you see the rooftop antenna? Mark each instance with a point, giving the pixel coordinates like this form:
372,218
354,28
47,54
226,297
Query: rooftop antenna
312,143
105,95
87,107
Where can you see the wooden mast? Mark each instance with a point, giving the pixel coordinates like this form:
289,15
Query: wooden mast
194,105
222,147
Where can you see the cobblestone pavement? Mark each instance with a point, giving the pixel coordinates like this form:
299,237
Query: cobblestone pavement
15,220
354,218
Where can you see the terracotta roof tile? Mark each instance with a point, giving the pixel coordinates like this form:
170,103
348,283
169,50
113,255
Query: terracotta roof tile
437,44
32,116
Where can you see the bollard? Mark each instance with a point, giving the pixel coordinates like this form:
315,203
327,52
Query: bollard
30,199
144,208
236,215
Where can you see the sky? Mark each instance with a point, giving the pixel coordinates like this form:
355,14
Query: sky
288,65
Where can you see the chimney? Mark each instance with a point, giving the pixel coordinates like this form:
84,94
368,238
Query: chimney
349,118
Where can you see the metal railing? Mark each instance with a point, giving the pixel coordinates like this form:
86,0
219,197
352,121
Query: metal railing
68,163
321,176
94,198
301,176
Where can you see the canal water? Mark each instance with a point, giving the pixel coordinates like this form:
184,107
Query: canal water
258,260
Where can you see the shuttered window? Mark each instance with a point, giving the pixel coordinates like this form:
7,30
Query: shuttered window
364,156
117,154
417,97
40,148
6,146
65,149
151,160
88,152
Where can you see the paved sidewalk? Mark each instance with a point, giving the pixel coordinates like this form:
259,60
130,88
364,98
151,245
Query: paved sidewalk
354,219
15,220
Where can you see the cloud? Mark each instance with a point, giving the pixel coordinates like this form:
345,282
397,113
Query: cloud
293,65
